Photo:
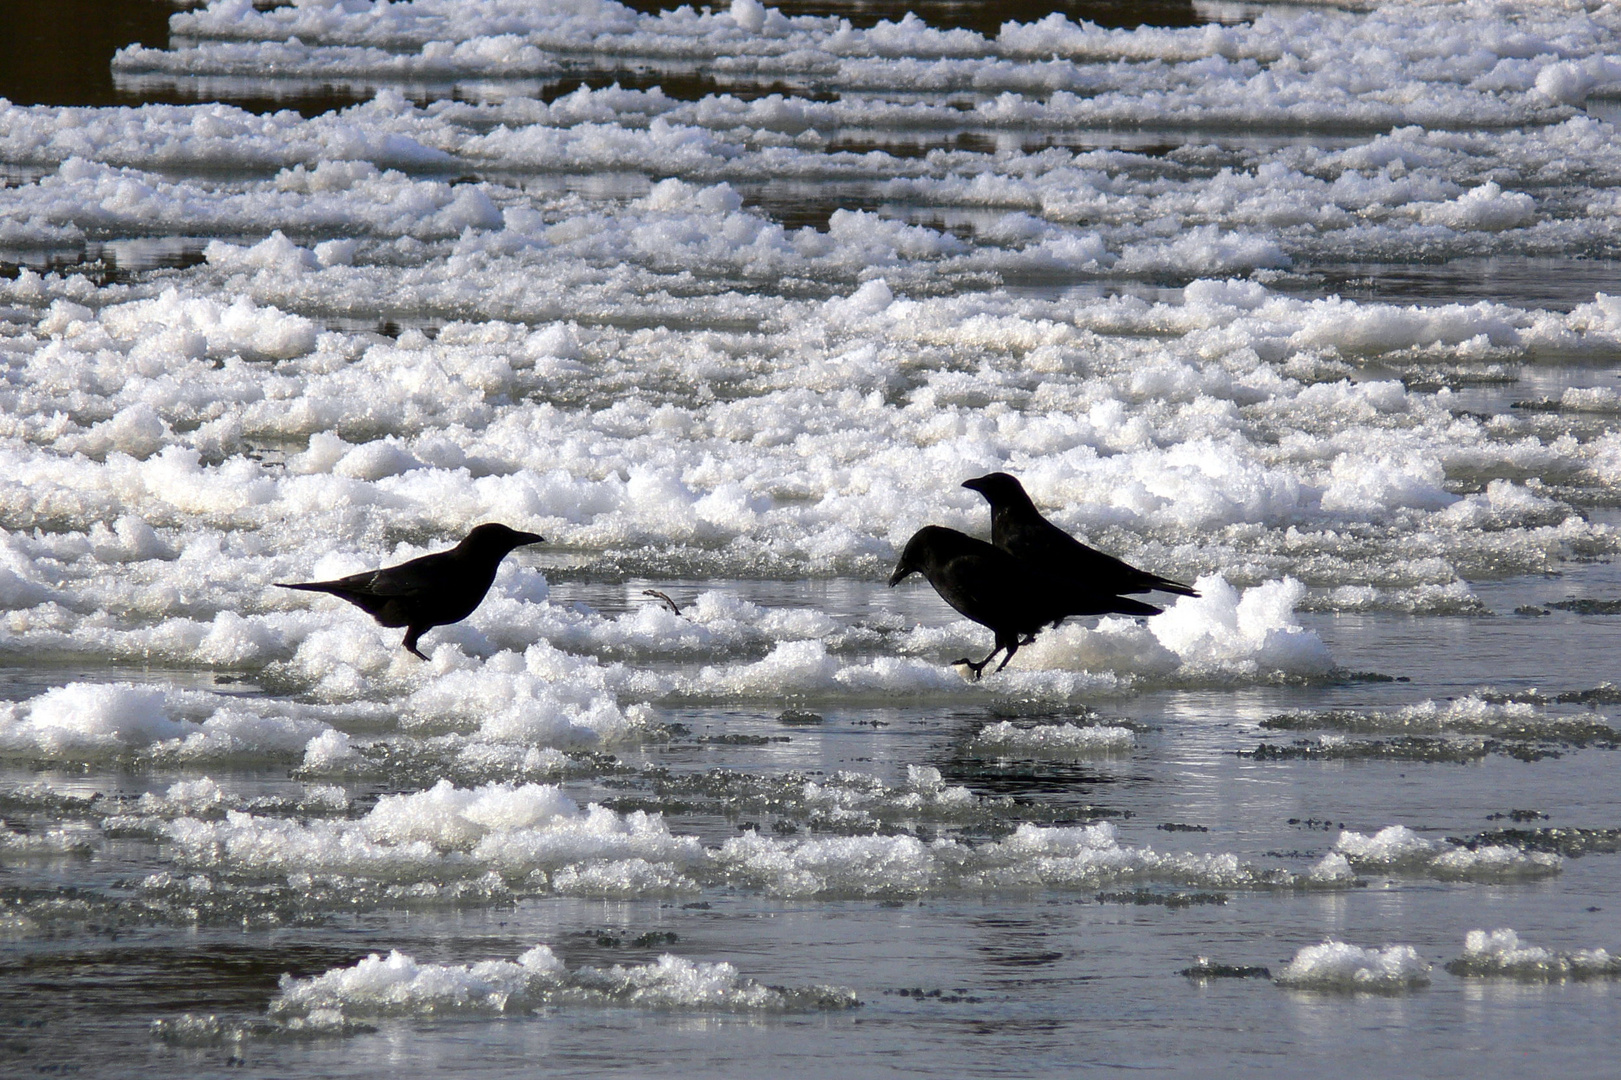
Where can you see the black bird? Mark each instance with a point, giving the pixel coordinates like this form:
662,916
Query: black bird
1018,528
1015,600
431,591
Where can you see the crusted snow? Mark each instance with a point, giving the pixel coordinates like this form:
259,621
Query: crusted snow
1338,966
1501,954
1398,849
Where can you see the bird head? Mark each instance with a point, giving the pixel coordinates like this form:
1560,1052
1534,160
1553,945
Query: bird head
920,553
999,489
496,537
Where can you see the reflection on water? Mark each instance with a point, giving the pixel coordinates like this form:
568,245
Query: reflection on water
58,52
1557,284
112,261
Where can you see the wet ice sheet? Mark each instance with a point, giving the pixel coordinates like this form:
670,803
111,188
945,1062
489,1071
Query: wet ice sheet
1007,953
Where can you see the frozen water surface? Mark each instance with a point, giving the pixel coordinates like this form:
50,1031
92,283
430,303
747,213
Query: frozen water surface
1312,304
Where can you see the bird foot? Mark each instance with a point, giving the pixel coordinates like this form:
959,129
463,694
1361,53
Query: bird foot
410,642
977,669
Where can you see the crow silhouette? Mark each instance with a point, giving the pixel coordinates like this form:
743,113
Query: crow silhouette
1018,528
1008,595
434,590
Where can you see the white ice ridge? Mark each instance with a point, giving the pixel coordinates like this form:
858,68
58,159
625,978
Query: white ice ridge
450,817
1110,433
198,590
398,984
1398,849
534,839
1501,953
172,554
1053,739
1337,966
1469,714
447,834
493,719
1077,219
849,800
50,843
510,682
83,722
1320,67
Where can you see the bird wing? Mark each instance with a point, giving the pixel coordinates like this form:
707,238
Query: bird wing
1014,597
973,585
1043,543
997,591
405,580
1061,598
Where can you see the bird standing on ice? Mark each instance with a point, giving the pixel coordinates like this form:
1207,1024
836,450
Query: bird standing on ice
1008,595
435,590
1018,528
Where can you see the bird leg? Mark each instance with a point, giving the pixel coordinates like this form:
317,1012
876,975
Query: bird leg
410,642
1012,647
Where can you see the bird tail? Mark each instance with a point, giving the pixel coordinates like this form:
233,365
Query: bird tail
1165,584
1124,605
307,586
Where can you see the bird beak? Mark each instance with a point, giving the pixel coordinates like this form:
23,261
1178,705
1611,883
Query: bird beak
520,539
976,484
902,572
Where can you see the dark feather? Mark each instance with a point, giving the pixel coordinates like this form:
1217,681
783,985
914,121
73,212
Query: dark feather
1018,528
435,590
1013,599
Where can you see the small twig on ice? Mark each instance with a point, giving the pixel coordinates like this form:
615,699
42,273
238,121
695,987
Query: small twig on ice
663,598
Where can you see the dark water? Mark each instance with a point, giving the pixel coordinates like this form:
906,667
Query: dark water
58,52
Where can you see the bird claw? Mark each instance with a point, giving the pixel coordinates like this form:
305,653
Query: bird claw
410,642
977,669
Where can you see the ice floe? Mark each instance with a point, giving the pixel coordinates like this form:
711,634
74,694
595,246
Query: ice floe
399,984
1398,849
273,857
338,1001
110,721
1338,966
1005,737
1501,954
1481,714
